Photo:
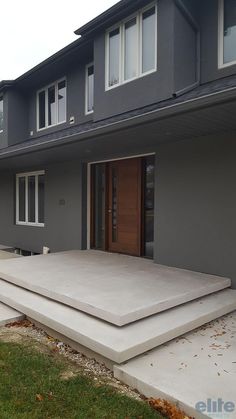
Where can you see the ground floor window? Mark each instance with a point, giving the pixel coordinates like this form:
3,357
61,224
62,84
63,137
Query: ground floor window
30,198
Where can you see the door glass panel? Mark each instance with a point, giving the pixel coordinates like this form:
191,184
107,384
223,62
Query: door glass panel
148,40
149,206
1,114
41,108
99,206
114,205
31,199
90,88
229,31
114,57
131,49
62,101
51,106
41,183
22,199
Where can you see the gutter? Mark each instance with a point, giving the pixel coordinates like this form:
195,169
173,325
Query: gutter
161,113
4,84
105,17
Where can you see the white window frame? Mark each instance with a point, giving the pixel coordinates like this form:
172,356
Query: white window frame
26,176
221,63
121,26
86,88
1,100
45,89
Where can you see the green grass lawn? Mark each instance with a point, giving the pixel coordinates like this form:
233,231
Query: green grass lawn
31,387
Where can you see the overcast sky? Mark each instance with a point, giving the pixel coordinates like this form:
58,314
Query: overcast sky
32,30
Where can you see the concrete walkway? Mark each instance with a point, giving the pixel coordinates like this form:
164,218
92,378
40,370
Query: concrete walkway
197,367
116,288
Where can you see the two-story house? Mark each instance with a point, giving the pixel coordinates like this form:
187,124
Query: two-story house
124,141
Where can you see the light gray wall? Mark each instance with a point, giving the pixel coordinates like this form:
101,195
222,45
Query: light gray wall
196,205
63,224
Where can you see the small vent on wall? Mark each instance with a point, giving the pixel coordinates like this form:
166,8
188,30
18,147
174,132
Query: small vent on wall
72,120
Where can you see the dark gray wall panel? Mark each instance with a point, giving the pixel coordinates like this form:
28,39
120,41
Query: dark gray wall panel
185,52
3,135
75,100
145,90
209,44
63,211
17,116
193,6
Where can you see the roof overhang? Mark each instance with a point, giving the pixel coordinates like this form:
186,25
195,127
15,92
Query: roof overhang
185,121
5,84
62,57
112,14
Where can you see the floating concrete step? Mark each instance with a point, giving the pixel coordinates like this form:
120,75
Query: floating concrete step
118,344
117,288
199,367
9,315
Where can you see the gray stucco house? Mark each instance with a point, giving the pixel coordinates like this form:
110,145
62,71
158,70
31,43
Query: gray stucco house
124,141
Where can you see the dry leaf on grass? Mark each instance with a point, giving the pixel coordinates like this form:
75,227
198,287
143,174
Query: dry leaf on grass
39,397
168,409
21,323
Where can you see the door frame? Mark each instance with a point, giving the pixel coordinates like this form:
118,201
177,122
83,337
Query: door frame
89,187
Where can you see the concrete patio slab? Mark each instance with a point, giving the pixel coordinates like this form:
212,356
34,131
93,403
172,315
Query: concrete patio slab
8,255
8,315
117,288
112,342
198,367
3,247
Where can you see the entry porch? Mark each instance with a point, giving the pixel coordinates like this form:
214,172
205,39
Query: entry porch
115,305
115,308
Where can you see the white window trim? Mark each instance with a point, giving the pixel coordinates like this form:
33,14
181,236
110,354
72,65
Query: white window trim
1,99
86,88
26,176
45,89
221,63
121,26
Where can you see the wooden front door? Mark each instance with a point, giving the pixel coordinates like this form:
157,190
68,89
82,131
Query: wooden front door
124,206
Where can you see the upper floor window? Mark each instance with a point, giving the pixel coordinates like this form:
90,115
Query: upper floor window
30,198
51,105
227,32
89,94
1,114
131,48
